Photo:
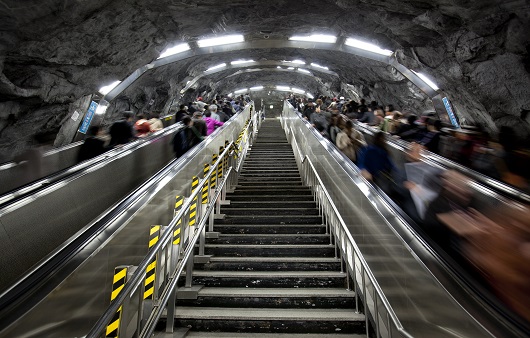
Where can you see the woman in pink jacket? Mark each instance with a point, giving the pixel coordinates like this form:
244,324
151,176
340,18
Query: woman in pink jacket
211,124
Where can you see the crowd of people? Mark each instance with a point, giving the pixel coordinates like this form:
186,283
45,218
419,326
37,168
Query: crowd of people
495,242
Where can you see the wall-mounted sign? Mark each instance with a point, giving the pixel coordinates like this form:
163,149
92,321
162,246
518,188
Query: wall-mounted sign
450,112
88,117
75,115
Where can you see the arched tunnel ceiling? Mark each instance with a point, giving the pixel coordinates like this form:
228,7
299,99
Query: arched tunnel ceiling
54,53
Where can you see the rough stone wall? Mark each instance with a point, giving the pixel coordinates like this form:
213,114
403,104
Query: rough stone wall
53,53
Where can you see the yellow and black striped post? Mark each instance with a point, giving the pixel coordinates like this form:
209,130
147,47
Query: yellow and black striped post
178,207
226,157
151,270
193,206
118,283
213,182
220,168
205,189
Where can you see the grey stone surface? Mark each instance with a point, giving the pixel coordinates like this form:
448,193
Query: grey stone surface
53,53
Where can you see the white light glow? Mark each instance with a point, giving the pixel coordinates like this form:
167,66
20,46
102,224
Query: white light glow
290,68
256,88
231,94
315,38
101,109
279,67
427,80
298,91
215,67
271,106
319,66
367,46
309,95
304,71
241,62
175,50
106,89
283,88
240,91
222,40
296,62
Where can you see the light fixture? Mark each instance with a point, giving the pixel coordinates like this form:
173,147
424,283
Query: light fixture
279,67
304,71
271,106
241,62
240,91
106,89
256,88
426,80
298,91
367,46
175,50
215,67
230,95
309,95
290,68
297,62
315,38
319,66
222,40
283,88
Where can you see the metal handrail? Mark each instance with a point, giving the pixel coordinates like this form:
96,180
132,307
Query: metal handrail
390,311
138,277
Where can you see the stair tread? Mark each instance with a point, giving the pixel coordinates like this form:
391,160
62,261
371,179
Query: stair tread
269,246
303,259
275,292
267,274
199,334
274,235
268,314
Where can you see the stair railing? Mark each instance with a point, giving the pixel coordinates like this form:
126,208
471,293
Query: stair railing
374,301
175,260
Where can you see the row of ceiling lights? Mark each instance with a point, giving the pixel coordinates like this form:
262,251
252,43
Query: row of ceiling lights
229,39
278,88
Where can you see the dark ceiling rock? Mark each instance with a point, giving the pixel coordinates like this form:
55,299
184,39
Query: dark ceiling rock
54,53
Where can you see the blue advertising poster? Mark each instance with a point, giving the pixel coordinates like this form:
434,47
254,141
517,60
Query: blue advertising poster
88,117
450,112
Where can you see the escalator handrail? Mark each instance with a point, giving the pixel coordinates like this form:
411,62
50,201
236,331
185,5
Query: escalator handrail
487,182
45,182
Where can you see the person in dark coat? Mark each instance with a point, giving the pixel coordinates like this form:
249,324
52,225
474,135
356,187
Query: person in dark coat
181,113
121,132
93,146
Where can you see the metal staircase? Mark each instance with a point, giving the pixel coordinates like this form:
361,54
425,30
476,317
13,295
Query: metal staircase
273,269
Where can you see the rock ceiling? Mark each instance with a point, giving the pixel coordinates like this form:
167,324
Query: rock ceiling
54,53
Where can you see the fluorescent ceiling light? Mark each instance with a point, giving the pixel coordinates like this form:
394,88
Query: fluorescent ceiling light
297,62
256,88
290,68
315,38
175,50
309,95
427,80
230,95
319,66
216,67
304,71
240,62
298,91
279,67
240,91
283,88
222,40
106,89
367,46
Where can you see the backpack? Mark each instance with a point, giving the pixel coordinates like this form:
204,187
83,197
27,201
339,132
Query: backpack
180,142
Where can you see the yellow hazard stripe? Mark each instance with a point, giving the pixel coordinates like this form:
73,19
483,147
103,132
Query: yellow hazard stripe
120,275
176,236
116,292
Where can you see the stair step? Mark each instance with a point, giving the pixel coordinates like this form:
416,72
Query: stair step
270,204
270,229
269,198
198,334
270,219
273,183
323,298
270,279
271,239
269,211
224,263
270,250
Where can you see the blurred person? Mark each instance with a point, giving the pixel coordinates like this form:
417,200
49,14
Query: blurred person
375,163
211,123
391,122
431,139
514,162
30,161
319,119
379,117
406,130
334,128
181,113
199,124
309,110
181,140
94,145
155,122
350,141
121,131
365,116
142,126
213,111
